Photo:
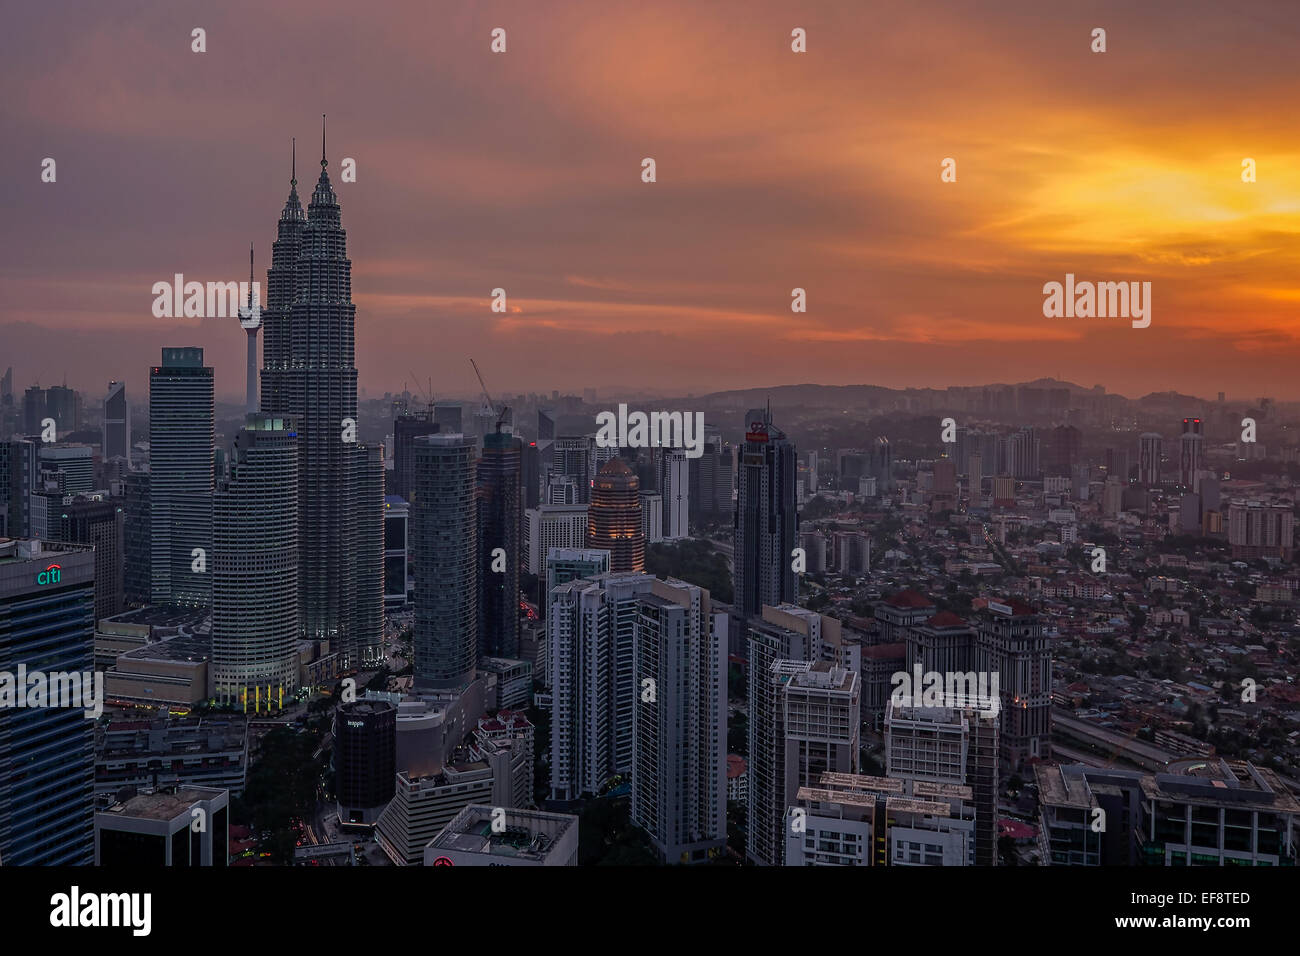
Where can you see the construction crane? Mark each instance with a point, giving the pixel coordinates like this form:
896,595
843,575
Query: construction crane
501,415
428,395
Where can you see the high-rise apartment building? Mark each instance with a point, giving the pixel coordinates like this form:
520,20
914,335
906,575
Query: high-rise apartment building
805,721
591,629
679,788
1261,529
947,745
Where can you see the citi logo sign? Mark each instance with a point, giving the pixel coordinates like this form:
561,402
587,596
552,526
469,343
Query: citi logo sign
50,575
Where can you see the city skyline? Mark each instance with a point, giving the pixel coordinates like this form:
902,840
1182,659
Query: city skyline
522,174
1016,584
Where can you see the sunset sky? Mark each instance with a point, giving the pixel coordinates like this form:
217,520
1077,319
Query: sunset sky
775,170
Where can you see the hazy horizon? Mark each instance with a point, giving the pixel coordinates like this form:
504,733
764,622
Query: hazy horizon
775,170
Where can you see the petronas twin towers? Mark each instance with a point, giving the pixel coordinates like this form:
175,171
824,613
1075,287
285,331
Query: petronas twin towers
309,375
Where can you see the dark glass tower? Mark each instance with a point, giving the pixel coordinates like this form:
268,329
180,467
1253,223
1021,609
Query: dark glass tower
499,518
444,535
766,522
310,375
47,754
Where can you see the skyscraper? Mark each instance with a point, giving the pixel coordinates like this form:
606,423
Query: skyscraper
1191,458
47,754
309,374
406,428
499,518
679,793
591,629
1149,458
115,439
614,517
19,480
766,522
99,523
182,457
572,456
1011,644
255,570
674,487
444,534
137,543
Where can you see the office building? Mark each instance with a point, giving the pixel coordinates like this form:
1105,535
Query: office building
614,517
181,463
1191,454
47,600
115,437
309,375
423,805
652,516
1012,645
255,568
162,753
100,523
137,538
675,490
19,480
406,428
1088,816
444,532
448,416
365,760
397,557
71,467
766,523
520,838
572,457
499,514
182,827
552,526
